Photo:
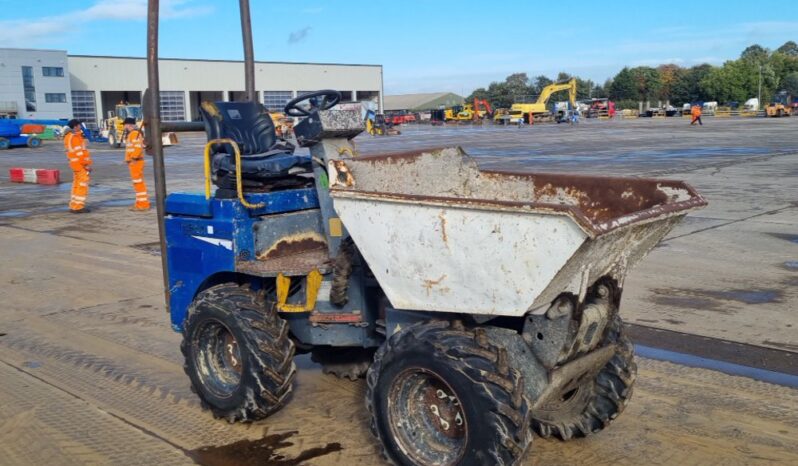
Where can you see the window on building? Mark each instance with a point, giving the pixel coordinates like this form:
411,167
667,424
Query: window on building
29,87
274,101
173,106
55,98
346,96
373,96
84,107
53,71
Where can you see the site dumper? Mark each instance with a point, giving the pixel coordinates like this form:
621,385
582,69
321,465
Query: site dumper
481,306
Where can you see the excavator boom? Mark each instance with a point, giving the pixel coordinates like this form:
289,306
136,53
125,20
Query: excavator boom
547,91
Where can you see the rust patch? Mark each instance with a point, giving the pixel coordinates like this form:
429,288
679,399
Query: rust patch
294,244
342,174
429,284
443,227
335,317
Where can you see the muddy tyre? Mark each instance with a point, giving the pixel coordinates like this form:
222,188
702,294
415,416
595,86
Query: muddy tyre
237,353
442,394
595,404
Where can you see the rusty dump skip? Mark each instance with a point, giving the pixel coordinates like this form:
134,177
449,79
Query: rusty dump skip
449,177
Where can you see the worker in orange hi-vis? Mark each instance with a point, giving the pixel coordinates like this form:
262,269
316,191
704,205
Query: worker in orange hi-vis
695,112
80,163
134,157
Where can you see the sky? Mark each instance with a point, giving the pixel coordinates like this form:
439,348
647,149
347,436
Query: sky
424,46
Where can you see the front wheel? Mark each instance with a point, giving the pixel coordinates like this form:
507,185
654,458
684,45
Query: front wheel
34,142
439,393
592,406
5,144
113,140
238,354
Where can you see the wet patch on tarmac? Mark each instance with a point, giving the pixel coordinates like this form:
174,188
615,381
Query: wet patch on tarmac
14,213
710,299
261,452
785,237
763,296
791,265
667,298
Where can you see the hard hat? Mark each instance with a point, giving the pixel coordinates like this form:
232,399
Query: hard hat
73,123
130,121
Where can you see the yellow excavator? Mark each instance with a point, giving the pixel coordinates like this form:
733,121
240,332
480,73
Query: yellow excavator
537,110
114,127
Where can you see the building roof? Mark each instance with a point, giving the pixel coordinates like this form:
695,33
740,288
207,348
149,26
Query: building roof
214,60
420,102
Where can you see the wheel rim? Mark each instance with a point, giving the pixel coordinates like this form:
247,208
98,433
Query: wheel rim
426,418
218,359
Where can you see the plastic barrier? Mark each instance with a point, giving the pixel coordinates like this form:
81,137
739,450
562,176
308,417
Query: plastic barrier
35,175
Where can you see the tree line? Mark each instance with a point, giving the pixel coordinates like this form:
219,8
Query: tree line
734,81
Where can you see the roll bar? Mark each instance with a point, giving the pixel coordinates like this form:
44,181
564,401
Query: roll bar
155,127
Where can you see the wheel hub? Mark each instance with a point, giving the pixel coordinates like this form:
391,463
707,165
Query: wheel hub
426,418
218,359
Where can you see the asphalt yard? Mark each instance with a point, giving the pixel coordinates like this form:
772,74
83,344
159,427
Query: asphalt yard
91,372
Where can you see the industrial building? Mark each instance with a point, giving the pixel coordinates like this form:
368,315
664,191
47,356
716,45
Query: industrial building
53,84
421,102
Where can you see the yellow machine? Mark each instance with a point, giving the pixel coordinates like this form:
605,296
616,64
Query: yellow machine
458,113
114,123
780,106
114,127
537,111
468,112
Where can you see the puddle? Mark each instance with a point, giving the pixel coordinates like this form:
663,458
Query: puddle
689,302
747,296
13,213
785,237
791,265
262,452
32,364
709,299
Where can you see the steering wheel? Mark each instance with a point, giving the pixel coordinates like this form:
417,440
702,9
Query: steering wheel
329,99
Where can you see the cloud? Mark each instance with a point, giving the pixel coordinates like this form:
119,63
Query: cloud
31,31
299,36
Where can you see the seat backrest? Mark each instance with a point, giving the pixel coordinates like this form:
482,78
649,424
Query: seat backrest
246,123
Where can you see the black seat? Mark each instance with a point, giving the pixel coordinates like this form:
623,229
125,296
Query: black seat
267,163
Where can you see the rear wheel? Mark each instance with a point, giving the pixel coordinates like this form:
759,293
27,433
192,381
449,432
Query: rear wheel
5,144
592,406
34,142
442,394
237,353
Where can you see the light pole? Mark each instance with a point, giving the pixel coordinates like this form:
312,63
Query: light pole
759,94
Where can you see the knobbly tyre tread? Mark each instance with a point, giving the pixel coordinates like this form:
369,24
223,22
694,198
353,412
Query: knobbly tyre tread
271,361
487,365
342,270
611,391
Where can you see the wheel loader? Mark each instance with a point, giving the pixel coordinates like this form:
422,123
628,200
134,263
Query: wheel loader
481,306
114,127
